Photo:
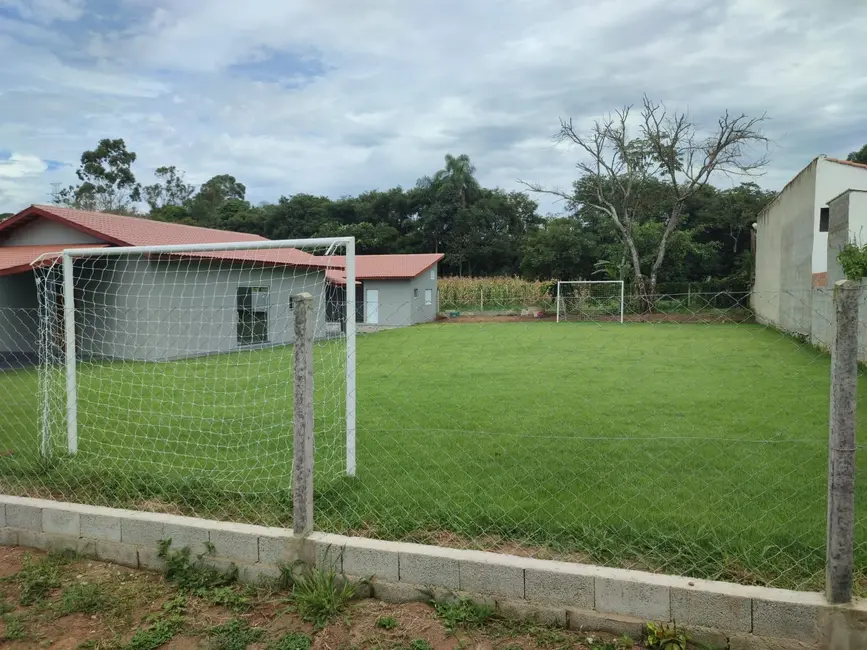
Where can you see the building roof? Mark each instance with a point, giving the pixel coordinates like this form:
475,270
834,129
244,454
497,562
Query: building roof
385,267
17,259
846,162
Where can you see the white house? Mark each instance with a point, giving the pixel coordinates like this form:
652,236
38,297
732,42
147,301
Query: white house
793,252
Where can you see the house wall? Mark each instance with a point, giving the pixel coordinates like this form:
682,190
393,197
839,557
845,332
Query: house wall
395,302
422,313
45,231
831,180
160,310
19,323
784,256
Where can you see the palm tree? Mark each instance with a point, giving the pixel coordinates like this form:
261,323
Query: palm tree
457,178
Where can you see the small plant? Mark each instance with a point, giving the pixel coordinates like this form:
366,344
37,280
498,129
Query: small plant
386,622
165,625
853,260
291,641
228,597
36,579
320,595
658,636
84,599
420,644
14,629
462,612
5,607
624,642
192,574
234,635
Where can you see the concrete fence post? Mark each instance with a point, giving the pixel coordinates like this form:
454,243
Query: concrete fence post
302,462
841,444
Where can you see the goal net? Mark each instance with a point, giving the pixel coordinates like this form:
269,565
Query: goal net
590,300
168,369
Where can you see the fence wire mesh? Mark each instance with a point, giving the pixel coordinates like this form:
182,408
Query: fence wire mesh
690,439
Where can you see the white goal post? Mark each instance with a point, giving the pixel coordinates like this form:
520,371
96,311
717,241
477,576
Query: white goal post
103,290
590,300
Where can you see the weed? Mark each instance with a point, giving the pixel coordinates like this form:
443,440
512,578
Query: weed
287,576
228,597
386,622
36,579
462,612
658,636
164,626
86,599
5,607
192,574
624,642
420,644
14,628
320,595
234,635
291,641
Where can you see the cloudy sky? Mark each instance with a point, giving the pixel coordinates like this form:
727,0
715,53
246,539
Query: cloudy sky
339,96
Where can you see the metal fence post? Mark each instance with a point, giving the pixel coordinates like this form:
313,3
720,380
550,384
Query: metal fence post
302,462
841,444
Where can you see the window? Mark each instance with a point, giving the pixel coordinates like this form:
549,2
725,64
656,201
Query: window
291,302
415,293
252,304
824,218
428,296
433,273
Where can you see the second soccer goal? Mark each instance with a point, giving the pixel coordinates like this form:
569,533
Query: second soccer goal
590,300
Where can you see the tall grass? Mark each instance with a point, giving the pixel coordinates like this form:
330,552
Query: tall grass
495,293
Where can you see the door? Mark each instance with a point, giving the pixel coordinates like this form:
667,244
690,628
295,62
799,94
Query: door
372,306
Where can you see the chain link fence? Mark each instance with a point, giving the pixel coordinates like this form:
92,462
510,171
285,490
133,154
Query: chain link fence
690,439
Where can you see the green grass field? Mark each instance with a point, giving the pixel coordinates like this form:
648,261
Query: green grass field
698,449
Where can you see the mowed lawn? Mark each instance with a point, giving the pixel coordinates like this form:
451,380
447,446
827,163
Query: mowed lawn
699,449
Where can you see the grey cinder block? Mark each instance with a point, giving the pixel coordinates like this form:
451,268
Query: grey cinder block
100,527
8,537
2,515
788,619
429,569
24,517
398,592
31,539
195,537
491,578
532,612
148,559
632,598
586,621
278,550
118,553
258,574
243,547
713,610
59,543
143,532
371,559
570,589
61,522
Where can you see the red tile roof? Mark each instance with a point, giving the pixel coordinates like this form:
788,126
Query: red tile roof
846,162
387,267
17,259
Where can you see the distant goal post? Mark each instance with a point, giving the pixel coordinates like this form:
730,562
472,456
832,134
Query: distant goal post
117,311
590,300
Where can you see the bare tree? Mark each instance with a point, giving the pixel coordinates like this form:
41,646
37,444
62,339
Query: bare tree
669,147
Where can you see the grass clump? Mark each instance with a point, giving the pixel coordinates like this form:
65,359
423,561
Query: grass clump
5,607
291,641
191,573
320,595
14,629
36,579
386,622
163,627
234,635
462,613
658,636
84,599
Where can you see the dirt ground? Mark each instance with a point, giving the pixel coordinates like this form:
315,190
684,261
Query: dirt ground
77,604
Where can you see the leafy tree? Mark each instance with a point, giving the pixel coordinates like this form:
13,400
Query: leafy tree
619,168
558,250
859,156
204,207
169,190
107,181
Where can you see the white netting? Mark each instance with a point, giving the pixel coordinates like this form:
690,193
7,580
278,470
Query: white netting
183,377
583,300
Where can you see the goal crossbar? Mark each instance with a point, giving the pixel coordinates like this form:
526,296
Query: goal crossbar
68,255
560,283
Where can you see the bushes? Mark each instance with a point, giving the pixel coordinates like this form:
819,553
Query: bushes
494,293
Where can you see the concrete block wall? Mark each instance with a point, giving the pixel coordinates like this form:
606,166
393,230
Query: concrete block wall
575,595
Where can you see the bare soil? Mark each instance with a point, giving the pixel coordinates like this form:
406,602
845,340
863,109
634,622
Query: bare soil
132,601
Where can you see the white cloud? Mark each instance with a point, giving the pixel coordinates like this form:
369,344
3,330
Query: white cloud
48,11
337,96
20,165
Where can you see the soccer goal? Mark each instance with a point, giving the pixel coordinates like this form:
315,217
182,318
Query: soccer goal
174,363
590,300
